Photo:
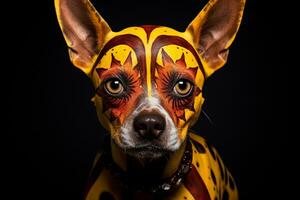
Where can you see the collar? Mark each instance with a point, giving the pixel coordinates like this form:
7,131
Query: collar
160,187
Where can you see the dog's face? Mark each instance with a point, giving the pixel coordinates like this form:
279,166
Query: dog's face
148,79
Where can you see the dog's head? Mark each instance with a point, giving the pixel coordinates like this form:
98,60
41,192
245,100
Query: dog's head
148,79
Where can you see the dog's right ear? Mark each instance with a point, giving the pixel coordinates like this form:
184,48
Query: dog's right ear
84,31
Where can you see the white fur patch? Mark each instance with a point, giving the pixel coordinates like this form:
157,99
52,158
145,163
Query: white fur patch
150,104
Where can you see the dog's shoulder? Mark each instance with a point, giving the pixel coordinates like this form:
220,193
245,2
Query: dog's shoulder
101,184
217,178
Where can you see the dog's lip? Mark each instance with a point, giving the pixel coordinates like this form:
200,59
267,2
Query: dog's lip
146,147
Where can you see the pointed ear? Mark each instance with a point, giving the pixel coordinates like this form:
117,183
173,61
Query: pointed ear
213,31
84,31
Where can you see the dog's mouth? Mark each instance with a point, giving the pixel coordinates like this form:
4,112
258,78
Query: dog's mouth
147,151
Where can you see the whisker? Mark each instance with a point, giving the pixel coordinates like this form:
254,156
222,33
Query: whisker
208,118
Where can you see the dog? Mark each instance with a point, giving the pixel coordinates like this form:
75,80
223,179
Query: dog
148,92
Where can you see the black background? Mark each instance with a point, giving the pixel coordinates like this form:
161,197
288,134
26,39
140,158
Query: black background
54,124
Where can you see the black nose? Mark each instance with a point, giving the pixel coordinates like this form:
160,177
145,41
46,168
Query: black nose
149,125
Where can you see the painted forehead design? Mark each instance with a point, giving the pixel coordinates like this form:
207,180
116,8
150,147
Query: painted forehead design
138,44
164,40
132,41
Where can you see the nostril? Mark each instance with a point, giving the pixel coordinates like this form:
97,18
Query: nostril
159,126
149,125
141,126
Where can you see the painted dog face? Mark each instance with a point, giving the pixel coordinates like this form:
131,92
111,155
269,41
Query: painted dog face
145,74
148,79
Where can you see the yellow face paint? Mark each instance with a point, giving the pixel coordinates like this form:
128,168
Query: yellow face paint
160,58
149,61
162,71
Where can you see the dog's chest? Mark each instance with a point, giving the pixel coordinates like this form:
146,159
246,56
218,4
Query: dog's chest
208,179
108,188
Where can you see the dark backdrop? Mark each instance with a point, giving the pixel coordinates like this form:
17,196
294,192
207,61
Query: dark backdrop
55,126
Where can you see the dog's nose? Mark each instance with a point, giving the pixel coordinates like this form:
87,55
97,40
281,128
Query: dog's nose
149,125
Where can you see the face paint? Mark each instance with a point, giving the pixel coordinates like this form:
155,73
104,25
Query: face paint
156,68
149,67
148,91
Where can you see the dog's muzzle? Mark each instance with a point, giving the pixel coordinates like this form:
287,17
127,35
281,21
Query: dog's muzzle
149,128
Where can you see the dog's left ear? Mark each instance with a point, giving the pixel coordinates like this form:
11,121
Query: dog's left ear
213,31
84,31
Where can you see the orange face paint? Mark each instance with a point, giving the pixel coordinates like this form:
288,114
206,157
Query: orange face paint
150,61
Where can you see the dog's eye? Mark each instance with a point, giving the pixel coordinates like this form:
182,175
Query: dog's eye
183,88
114,86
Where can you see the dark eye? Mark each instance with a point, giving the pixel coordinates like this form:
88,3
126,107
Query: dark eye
114,86
183,88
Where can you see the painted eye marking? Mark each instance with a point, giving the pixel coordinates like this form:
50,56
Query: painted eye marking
117,87
178,89
114,87
183,88
177,84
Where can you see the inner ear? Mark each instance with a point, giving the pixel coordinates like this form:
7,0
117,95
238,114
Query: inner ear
84,30
214,29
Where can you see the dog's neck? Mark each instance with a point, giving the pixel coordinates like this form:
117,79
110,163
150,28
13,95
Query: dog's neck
153,169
